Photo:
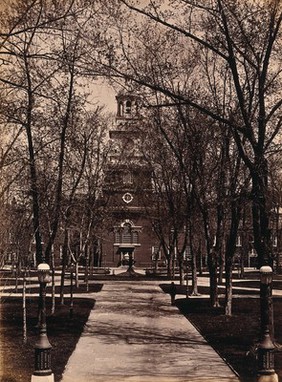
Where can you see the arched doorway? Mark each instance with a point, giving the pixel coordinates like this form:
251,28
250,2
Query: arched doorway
126,241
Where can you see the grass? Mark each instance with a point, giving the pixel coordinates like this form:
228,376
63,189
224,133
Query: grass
63,334
234,338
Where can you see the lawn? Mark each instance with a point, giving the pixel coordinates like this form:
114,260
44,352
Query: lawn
234,338
63,333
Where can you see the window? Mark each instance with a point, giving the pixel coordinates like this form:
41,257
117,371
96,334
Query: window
135,237
126,234
156,254
128,107
117,236
120,108
127,178
238,241
61,251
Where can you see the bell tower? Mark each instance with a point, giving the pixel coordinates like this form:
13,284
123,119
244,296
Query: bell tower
127,106
127,178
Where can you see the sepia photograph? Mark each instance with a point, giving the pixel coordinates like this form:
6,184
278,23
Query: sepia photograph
141,190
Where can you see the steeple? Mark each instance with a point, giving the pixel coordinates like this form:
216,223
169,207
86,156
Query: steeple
127,105
127,178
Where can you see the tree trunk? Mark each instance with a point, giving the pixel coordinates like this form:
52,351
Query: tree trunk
228,287
76,275
193,263
86,278
173,265
219,240
229,254
32,167
180,262
58,194
200,254
168,257
260,214
221,269
24,311
53,292
64,265
242,267
212,263
194,274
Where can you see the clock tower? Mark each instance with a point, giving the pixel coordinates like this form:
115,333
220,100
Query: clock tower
129,232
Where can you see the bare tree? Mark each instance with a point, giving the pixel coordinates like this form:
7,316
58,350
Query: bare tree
166,204
26,56
41,47
84,164
245,39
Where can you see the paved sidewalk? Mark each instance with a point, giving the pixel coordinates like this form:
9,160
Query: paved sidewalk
133,334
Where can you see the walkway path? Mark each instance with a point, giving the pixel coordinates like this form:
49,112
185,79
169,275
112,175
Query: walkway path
133,334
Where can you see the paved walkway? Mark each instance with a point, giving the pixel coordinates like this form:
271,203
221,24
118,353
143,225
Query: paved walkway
133,334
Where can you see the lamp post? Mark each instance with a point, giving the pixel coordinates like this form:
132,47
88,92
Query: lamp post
43,372
266,372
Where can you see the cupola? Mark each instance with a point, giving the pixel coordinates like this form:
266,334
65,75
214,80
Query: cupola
127,105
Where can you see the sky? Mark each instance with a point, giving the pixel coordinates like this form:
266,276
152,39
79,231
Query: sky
104,95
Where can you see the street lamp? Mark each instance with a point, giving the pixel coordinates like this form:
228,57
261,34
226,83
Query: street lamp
43,372
266,372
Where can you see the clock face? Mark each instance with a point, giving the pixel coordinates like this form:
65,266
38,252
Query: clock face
127,198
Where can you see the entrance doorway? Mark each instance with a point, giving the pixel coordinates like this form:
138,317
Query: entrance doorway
127,257
126,240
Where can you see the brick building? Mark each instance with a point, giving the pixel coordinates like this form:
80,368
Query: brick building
128,231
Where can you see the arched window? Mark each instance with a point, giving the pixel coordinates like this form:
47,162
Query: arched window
127,178
120,108
126,234
128,107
